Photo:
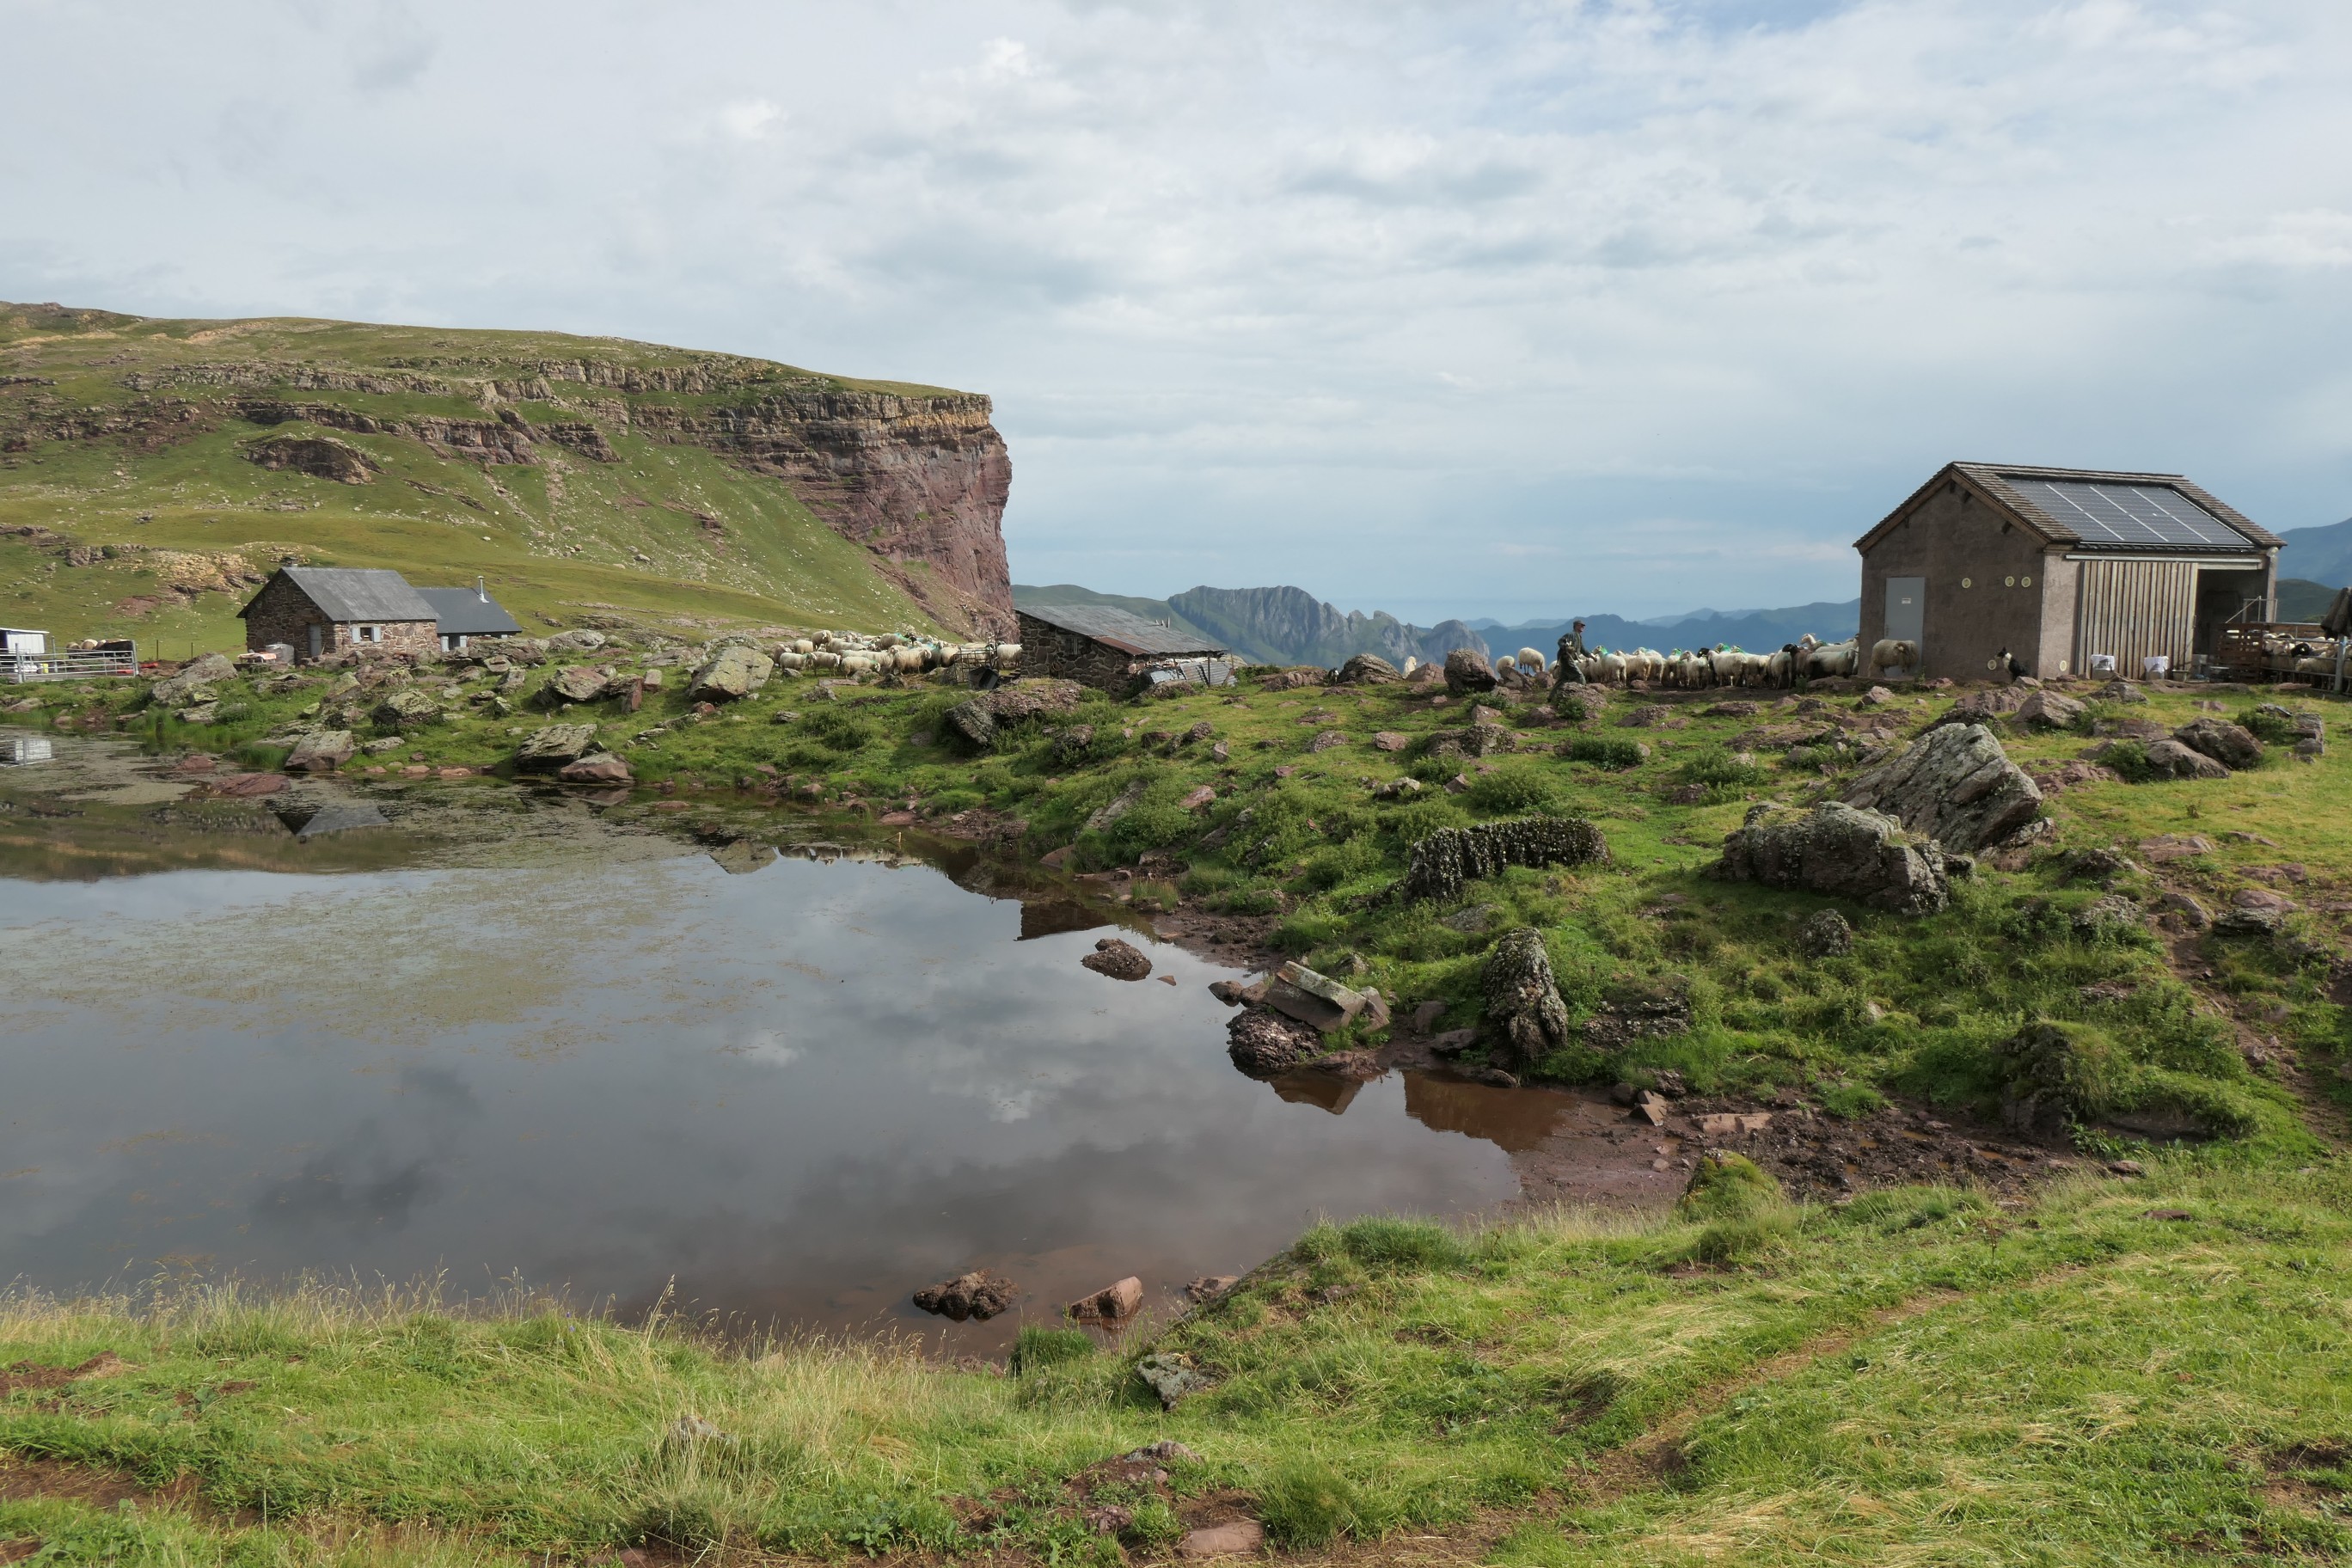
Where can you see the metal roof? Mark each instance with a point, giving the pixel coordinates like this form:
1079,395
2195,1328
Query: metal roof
1116,628
469,611
357,594
2097,510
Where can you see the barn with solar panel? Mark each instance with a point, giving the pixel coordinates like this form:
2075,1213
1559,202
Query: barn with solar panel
2063,568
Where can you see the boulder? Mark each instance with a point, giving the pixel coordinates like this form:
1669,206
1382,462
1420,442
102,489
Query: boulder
1326,739
1119,960
1319,1001
1037,698
1263,1043
1526,1020
2049,710
979,1294
2111,916
1172,1375
548,750
1446,861
601,768
1954,785
580,639
2226,744
1072,747
1825,934
1242,1538
574,683
1114,1303
1369,670
736,672
320,752
1390,741
1467,670
1842,849
2172,760
973,726
2120,691
181,687
407,709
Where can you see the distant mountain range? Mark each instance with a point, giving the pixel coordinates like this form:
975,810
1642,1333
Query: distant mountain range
1290,625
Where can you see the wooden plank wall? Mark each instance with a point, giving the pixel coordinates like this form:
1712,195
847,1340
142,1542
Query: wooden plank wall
2134,608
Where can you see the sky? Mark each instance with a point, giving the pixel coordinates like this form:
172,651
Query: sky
1468,310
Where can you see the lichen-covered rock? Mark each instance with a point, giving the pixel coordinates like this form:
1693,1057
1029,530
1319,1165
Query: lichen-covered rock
973,726
202,674
1119,960
1369,670
2113,915
2049,710
1954,785
2168,759
1825,934
736,671
1526,1020
548,750
1449,859
320,752
2121,691
1467,670
1837,848
1073,745
2234,747
574,683
1037,698
597,768
1264,1044
406,709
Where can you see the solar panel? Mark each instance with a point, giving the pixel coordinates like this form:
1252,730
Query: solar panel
2147,517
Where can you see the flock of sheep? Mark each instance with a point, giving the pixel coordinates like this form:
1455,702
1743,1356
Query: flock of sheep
899,653
1808,659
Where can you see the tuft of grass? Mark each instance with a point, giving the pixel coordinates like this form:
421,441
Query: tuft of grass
1040,1346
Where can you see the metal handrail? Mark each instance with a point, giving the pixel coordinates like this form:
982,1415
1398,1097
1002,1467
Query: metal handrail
67,664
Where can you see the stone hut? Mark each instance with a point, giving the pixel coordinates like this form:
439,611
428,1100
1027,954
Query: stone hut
1101,646
462,613
2057,565
321,610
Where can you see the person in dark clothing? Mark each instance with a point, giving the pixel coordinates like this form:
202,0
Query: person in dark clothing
1564,670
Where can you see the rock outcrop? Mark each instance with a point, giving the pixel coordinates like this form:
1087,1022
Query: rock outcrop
735,672
321,456
1526,1020
1841,849
320,752
2228,745
1264,1044
548,750
1956,785
1449,859
1468,672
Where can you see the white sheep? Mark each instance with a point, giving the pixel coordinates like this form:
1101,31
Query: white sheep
1505,665
1530,661
1891,653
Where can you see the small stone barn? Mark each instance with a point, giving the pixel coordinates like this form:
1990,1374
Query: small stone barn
319,610
2058,565
462,613
1100,647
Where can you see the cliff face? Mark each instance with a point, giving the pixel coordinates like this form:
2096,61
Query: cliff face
1290,625
916,477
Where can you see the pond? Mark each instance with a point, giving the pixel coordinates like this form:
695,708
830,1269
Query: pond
517,1037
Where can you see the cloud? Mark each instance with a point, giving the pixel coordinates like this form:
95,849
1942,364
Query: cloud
1265,282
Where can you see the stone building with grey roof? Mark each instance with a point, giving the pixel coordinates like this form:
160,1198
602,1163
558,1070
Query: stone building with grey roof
2059,565
1100,647
319,611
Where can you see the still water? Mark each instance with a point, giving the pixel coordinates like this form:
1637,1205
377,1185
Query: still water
518,1039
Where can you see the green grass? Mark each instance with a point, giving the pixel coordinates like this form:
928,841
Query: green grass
1917,1375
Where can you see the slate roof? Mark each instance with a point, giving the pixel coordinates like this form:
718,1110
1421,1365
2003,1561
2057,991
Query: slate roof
346,593
1116,628
467,611
2100,510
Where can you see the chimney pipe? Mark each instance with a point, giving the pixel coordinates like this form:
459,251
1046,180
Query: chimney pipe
480,592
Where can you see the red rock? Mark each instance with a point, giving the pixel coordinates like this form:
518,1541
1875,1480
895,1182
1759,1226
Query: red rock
1241,1538
896,819
1197,798
1115,1302
600,767
245,786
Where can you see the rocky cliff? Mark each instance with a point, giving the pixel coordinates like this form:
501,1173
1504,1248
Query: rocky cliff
598,453
1290,625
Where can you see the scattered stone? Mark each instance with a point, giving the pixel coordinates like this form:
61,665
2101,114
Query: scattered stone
735,672
2169,759
1263,1043
1234,994
1368,669
2098,865
1117,958
1467,670
975,725
1825,933
1650,1106
1326,740
1955,785
2109,916
574,683
2049,710
1208,1288
601,768
548,750
1390,741
1321,1002
1200,798
979,1296
192,678
1453,1042
251,787
2167,848
2226,744
1243,1538
1426,1016
1114,1303
1526,1020
320,752
2127,1168
1730,1123
2121,691
1397,789
1127,800
1640,1010
1472,920
1446,861
1174,1377
334,816
1837,848
1649,716
2190,913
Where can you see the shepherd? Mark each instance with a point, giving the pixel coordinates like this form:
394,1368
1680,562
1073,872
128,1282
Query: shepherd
1568,666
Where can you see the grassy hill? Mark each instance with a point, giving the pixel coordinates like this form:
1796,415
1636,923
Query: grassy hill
579,475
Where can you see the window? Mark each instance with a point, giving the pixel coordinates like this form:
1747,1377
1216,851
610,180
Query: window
368,633
453,642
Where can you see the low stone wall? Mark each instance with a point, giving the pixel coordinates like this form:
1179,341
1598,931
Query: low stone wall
1451,857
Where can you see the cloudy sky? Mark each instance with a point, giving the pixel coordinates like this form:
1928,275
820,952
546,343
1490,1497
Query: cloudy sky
1462,309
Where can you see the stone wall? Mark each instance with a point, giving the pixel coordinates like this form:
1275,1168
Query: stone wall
282,612
1047,650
